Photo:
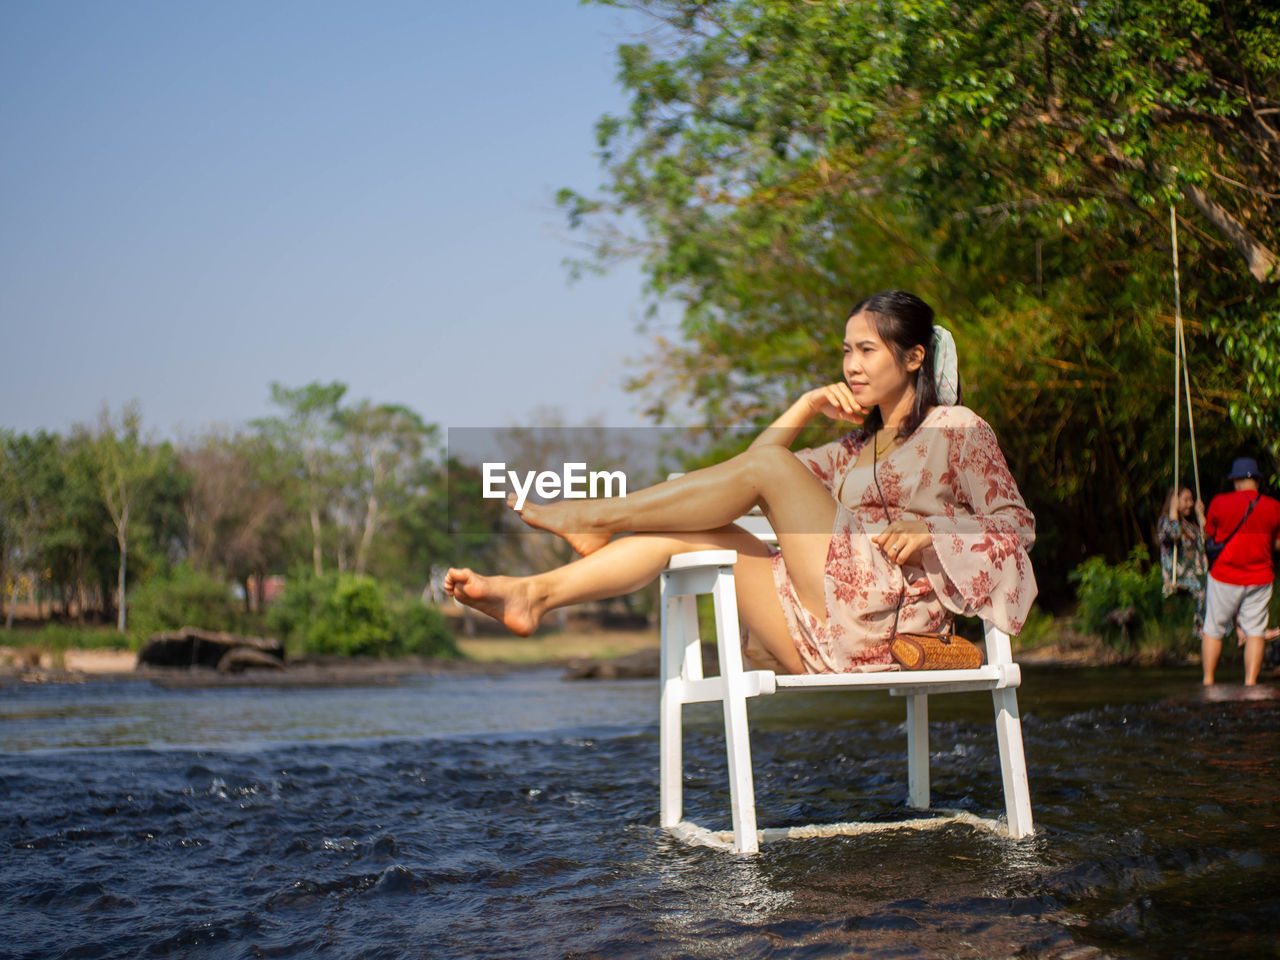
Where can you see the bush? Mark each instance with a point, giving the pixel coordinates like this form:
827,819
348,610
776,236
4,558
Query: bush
351,615
423,631
1116,601
180,598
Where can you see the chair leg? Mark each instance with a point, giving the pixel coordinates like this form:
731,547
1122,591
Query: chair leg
742,794
671,793
1013,763
670,725
918,751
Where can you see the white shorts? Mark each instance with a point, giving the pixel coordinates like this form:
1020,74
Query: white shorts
1227,603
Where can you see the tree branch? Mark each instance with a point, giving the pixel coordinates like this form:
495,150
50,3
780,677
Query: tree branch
1262,260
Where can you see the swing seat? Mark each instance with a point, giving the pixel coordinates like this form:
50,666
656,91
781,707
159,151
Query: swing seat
690,575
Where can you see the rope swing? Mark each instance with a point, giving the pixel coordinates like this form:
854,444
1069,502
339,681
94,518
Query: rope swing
1181,386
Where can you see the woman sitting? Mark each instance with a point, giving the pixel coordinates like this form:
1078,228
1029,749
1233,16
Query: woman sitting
1180,534
905,521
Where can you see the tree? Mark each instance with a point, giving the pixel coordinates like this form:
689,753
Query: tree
1012,163
125,467
10,497
308,431
235,507
384,446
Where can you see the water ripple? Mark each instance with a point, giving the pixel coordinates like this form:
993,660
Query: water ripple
1156,838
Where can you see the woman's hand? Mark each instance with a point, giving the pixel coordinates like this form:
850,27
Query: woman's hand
903,541
836,401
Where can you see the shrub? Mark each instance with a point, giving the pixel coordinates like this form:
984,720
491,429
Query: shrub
1116,600
349,615
182,597
353,620
298,607
423,631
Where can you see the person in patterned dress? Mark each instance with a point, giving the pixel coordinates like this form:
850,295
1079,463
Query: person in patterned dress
1180,534
909,519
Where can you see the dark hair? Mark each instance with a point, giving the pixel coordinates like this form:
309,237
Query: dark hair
903,321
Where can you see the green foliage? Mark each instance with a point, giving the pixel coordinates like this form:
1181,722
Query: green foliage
1115,599
353,619
183,597
422,631
1013,164
1172,630
351,615
1040,628
128,471
59,636
365,475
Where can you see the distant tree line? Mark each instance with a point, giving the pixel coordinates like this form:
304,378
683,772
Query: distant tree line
323,487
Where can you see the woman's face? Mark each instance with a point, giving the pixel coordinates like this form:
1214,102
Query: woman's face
870,368
1186,502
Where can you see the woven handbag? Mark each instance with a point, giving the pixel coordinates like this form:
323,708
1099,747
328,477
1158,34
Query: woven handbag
935,651
925,651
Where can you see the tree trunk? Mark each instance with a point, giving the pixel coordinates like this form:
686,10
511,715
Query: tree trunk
1261,260
120,612
366,538
315,539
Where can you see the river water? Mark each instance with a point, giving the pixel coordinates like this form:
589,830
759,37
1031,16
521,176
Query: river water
515,816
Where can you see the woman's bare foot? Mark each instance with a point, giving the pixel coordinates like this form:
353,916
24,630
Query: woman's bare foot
558,518
509,600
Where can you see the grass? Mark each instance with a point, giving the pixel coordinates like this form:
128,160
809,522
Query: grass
58,637
556,647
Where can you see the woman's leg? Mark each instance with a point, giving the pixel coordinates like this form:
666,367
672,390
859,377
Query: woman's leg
626,564
799,508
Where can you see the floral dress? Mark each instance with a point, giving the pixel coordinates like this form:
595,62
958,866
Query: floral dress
949,473
1182,561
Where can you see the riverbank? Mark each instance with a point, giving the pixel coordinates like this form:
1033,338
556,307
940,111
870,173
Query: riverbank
480,655
600,654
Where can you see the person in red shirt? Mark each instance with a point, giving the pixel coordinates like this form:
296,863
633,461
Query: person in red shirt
1240,579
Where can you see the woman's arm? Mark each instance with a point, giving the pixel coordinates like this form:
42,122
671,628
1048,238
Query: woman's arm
835,400
981,566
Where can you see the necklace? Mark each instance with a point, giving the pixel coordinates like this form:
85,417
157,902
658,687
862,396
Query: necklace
879,449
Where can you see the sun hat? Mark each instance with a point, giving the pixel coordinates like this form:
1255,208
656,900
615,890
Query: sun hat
1243,468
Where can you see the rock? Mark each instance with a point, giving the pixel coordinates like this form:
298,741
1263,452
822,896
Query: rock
193,647
240,659
641,665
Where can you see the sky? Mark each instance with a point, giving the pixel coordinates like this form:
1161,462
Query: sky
197,199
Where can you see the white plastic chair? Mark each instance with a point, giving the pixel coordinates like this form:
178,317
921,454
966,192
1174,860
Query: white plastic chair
711,572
